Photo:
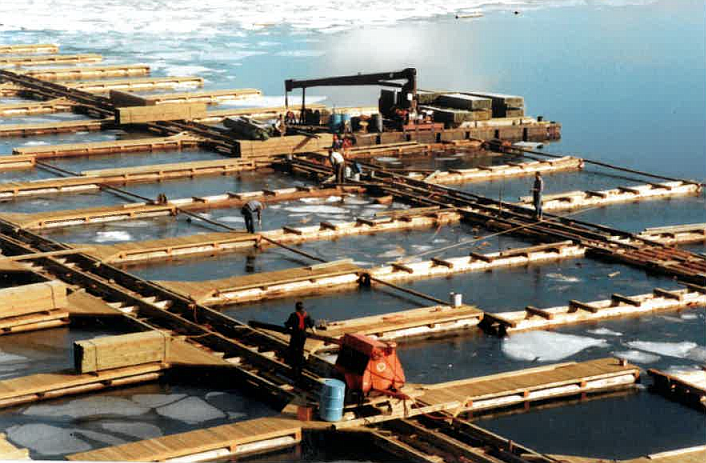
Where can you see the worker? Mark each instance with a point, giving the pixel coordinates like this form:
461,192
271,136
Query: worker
297,324
338,163
162,199
336,142
537,195
249,210
281,126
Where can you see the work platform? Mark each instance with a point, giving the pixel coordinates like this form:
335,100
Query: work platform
268,285
687,386
226,441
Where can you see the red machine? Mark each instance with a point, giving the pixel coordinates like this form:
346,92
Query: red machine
369,365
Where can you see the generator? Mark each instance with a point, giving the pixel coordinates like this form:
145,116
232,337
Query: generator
369,365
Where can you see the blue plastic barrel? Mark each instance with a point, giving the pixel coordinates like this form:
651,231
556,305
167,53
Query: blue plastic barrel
331,400
346,119
335,122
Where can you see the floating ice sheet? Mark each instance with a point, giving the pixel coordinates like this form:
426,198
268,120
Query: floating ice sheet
684,350
90,406
139,430
109,236
156,400
544,346
605,332
191,410
636,356
46,439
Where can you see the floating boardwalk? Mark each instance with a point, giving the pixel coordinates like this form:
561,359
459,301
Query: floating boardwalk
142,210
138,85
47,128
688,387
92,72
623,194
688,455
29,48
221,442
677,234
533,318
49,59
259,286
56,105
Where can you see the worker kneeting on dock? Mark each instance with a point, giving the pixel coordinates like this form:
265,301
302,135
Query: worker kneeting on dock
297,324
249,210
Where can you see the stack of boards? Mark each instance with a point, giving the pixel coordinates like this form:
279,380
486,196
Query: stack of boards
453,109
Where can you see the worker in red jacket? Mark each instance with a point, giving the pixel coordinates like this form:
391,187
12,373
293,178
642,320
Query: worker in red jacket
297,324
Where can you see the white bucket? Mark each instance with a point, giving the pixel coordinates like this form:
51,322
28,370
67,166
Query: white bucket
456,299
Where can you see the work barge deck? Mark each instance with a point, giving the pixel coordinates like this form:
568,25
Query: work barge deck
88,281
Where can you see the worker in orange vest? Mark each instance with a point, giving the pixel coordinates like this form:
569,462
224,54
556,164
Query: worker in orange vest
297,324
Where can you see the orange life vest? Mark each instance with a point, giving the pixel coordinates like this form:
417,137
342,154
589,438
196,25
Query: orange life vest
302,318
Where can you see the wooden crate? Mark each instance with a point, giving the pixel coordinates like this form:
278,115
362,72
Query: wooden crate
37,297
99,354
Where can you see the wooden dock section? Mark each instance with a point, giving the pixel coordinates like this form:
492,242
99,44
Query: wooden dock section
29,48
530,385
47,128
533,318
208,97
92,72
421,323
268,285
57,105
139,145
227,441
685,386
578,199
138,84
10,452
476,262
688,455
219,243
485,173
135,211
92,180
677,234
49,59
8,163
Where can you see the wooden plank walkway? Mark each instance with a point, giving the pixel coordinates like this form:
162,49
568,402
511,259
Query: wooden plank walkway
91,180
542,383
220,442
578,199
688,455
533,318
425,322
219,243
56,105
485,173
135,211
476,262
676,234
684,386
29,48
49,59
26,130
267,285
8,163
140,84
138,145
92,72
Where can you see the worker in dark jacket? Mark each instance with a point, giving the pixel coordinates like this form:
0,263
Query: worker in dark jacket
249,210
297,324
537,190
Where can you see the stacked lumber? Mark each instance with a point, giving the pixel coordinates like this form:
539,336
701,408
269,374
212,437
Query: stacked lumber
504,105
33,298
461,101
280,146
99,354
165,112
455,117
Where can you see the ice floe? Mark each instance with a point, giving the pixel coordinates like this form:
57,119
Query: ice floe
605,332
636,356
684,350
90,406
156,400
46,439
134,429
545,346
563,278
191,410
106,236
317,209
